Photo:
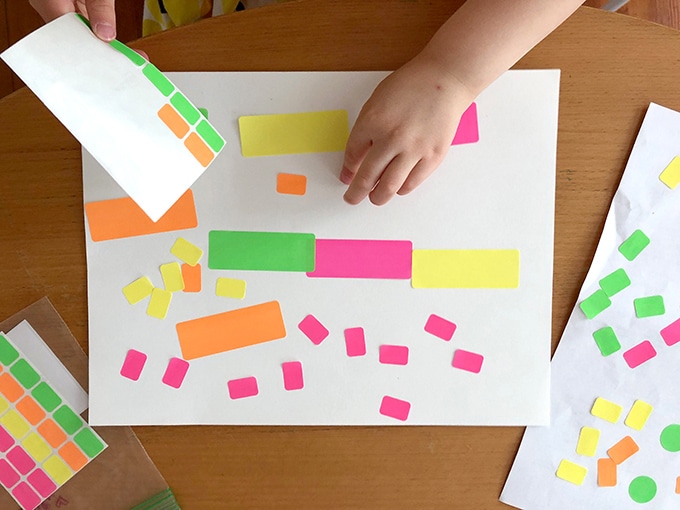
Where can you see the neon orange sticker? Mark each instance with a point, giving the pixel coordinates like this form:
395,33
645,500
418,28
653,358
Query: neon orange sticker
291,184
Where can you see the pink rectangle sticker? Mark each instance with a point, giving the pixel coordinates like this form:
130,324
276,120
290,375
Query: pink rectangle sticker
355,342
8,475
313,329
20,460
6,440
175,372
242,388
440,327
636,356
468,127
42,483
292,375
26,496
393,354
356,258
468,361
133,364
395,408
671,333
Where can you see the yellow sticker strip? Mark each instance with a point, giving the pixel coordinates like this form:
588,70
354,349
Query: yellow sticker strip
293,133
606,410
587,441
671,174
638,415
571,472
465,269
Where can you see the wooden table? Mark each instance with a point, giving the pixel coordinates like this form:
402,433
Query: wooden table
612,67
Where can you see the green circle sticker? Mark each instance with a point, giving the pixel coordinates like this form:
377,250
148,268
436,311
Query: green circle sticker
670,438
642,489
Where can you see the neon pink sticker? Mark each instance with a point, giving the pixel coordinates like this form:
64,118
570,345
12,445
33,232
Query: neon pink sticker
468,361
292,375
20,460
671,333
468,127
175,372
355,342
356,258
42,483
242,388
440,327
26,496
5,440
8,475
393,354
636,356
133,364
313,329
395,408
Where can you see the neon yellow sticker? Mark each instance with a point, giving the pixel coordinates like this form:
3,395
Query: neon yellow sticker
465,269
671,174
172,277
606,410
638,415
159,303
587,441
138,290
571,472
231,287
186,251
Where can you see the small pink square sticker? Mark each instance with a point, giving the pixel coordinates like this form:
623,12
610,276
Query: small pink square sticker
133,364
355,342
175,372
393,354
468,361
313,329
292,375
440,327
395,408
636,356
242,388
671,333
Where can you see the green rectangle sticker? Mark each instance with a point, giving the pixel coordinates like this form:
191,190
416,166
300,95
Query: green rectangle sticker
261,251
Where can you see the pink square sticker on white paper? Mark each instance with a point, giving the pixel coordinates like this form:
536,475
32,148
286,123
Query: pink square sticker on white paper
292,375
440,327
313,329
468,361
242,388
395,408
355,342
393,354
175,372
671,333
133,364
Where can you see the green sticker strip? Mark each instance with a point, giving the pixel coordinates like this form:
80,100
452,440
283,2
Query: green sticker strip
46,396
642,489
89,442
25,373
68,419
210,136
84,20
159,80
615,282
606,341
594,304
633,246
649,306
131,54
7,351
261,251
162,501
185,108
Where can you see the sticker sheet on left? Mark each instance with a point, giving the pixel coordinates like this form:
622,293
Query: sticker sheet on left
43,441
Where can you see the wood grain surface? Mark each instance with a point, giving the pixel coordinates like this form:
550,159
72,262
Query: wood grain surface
612,67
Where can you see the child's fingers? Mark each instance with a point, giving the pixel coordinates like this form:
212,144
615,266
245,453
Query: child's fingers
102,16
358,145
421,171
52,9
392,179
368,174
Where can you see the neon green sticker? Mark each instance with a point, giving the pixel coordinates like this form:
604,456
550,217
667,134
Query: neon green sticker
615,282
210,136
25,373
649,306
185,108
68,419
670,438
642,489
606,341
46,396
7,351
89,442
158,79
131,54
594,304
633,246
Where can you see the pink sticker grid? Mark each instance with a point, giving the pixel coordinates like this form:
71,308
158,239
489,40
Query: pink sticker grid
636,356
242,388
133,364
468,361
292,375
175,372
671,333
355,342
393,355
440,327
313,329
395,408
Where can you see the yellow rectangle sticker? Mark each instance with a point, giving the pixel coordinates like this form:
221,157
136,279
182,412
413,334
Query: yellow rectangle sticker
465,269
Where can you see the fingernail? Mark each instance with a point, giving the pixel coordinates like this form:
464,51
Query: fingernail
105,31
345,176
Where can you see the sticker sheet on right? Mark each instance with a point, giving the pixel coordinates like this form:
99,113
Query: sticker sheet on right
614,441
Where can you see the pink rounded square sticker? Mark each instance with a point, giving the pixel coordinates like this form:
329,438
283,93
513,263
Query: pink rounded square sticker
355,342
313,329
393,354
440,327
395,408
468,361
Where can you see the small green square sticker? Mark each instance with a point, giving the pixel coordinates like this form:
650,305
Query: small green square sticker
615,282
633,246
594,304
649,306
46,396
25,373
606,341
210,136
89,442
7,351
159,80
185,108
68,419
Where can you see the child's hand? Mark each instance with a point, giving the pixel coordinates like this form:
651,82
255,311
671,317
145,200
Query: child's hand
101,13
403,131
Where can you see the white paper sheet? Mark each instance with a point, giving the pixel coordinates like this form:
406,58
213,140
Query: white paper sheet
111,107
580,373
495,194
38,352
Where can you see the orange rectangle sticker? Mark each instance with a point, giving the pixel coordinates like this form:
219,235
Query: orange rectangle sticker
231,330
122,217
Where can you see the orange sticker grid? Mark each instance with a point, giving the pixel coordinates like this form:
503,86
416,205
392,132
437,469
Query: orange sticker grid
43,441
